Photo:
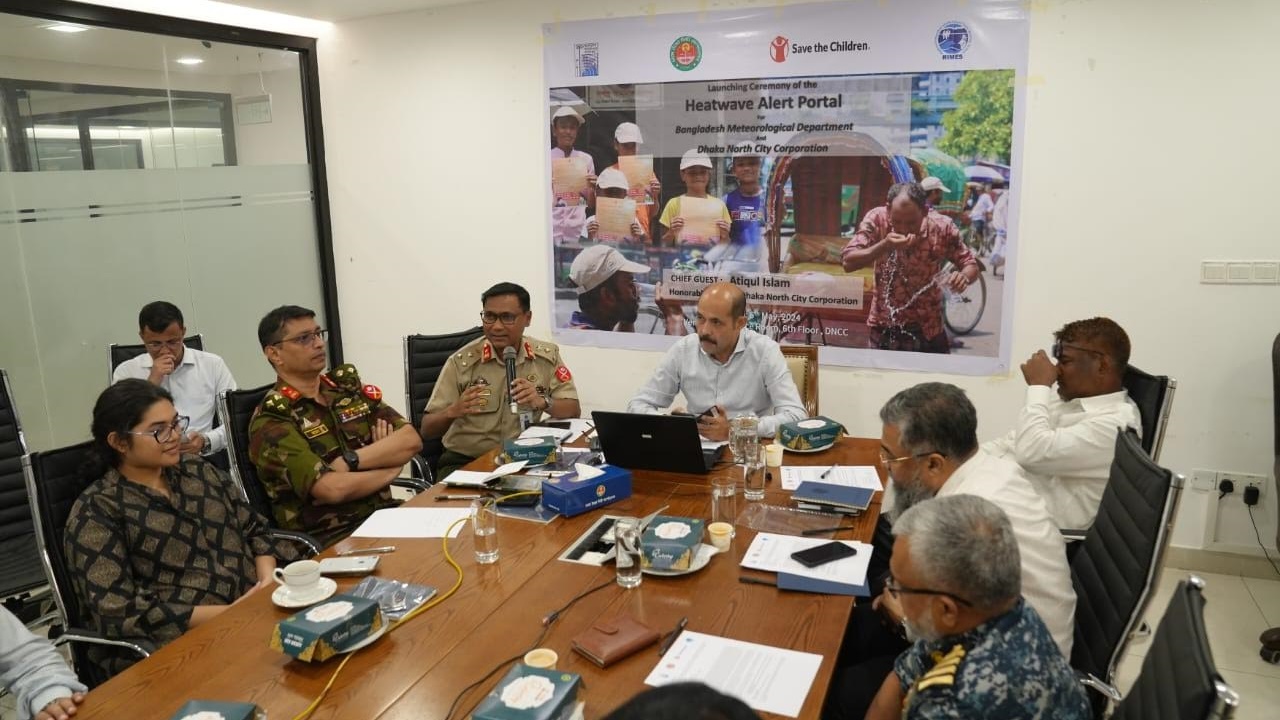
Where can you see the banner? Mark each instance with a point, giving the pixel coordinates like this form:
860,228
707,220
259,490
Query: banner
762,147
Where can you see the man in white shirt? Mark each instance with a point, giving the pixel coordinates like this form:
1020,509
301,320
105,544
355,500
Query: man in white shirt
195,378
929,446
1066,443
724,370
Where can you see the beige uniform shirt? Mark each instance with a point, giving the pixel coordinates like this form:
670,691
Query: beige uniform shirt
476,363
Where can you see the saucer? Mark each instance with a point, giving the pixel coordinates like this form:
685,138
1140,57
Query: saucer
386,625
701,557
285,599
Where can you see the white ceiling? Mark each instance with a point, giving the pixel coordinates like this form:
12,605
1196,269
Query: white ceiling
338,10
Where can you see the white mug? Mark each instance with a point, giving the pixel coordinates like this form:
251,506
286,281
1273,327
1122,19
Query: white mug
300,577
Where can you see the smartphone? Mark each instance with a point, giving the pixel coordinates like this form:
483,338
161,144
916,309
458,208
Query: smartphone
354,565
823,554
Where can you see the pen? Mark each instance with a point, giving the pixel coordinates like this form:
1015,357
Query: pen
372,550
748,580
671,639
819,531
827,472
443,498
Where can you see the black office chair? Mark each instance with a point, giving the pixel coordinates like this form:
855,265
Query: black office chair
117,354
235,408
23,586
1178,680
1153,394
53,483
424,358
1118,562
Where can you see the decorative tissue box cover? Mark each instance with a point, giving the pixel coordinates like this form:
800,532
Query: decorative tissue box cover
669,543
215,710
815,433
537,450
571,496
327,628
529,693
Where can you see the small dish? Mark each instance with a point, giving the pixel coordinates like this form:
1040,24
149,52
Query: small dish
810,450
285,599
386,625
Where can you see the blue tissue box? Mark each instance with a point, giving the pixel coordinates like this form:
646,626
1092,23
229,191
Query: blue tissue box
571,496
528,693
227,710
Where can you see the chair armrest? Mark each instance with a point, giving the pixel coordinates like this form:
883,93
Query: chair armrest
423,469
1098,686
80,635
1073,535
414,484
307,542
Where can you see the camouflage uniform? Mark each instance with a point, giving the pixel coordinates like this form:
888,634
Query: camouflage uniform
1009,668
292,440
476,363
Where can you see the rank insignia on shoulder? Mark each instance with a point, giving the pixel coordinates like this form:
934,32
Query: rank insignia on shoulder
276,403
372,392
324,378
290,393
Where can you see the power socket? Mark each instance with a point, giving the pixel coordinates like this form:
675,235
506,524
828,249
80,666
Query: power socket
1241,482
1251,494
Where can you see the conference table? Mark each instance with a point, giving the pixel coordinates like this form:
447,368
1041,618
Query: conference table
418,669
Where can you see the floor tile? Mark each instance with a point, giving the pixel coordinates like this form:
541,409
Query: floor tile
1266,593
1259,694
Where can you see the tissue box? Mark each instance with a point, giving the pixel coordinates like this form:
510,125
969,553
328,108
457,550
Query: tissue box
815,433
536,450
569,495
328,628
669,543
528,693
224,710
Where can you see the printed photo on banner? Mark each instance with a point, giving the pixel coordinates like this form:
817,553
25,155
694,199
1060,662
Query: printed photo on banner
868,214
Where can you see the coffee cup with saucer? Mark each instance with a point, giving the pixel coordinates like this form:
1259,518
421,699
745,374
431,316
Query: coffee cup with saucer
301,585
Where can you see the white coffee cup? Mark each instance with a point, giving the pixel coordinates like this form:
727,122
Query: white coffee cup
773,455
721,535
541,658
301,577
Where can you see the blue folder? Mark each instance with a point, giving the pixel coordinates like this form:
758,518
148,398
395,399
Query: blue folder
788,581
841,496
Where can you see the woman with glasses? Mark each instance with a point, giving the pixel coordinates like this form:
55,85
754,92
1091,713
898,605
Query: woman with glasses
159,542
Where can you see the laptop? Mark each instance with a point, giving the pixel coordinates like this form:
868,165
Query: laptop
638,441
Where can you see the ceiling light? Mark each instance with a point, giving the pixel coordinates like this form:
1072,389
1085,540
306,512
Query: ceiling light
189,60
65,28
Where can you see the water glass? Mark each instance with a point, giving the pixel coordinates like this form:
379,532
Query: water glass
724,500
744,437
626,536
753,475
484,529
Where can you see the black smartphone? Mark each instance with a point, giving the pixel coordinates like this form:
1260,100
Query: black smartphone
823,554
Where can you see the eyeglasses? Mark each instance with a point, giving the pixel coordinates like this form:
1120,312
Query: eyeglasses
886,461
305,339
489,318
157,344
166,433
1058,346
891,584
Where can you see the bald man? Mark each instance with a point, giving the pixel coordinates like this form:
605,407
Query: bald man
724,370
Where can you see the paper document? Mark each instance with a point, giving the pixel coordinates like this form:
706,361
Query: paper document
769,679
639,172
772,553
712,444
700,216
537,431
859,476
402,522
614,218
569,180
479,478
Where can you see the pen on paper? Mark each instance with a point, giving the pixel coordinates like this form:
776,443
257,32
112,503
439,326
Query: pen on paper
443,498
748,580
819,531
671,639
368,551
827,472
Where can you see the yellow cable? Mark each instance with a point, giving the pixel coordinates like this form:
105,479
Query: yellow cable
306,713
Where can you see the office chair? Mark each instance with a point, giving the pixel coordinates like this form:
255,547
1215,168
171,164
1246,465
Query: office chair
117,354
1153,394
424,358
23,586
802,361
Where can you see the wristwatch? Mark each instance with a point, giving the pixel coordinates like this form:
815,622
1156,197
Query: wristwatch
546,398
352,460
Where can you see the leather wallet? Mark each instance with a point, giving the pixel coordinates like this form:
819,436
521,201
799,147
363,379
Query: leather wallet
609,641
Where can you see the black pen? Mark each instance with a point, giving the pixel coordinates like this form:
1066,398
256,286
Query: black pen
444,498
671,639
747,579
827,472
819,531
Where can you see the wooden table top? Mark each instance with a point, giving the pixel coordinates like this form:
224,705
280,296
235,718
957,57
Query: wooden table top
417,670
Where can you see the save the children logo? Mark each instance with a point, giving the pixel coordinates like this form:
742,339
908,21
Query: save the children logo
778,49
686,53
952,40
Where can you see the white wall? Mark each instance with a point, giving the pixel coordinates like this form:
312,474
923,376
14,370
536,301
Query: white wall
1144,154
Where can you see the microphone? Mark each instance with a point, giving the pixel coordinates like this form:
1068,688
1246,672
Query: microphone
509,357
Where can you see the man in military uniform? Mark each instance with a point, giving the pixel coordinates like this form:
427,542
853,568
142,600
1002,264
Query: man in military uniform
471,403
980,651
325,445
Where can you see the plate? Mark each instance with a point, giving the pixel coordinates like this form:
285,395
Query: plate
700,560
282,599
810,450
386,625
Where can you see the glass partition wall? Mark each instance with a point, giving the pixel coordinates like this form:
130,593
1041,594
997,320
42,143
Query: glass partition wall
160,162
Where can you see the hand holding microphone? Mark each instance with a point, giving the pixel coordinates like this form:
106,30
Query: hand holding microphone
509,357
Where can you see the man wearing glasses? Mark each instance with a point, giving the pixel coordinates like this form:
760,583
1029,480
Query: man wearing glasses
325,445
471,403
1066,441
979,649
195,378
929,447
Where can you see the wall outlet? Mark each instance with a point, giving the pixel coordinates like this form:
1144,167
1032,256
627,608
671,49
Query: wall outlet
1204,480
1244,480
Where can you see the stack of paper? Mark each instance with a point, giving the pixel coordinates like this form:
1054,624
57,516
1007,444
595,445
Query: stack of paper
477,478
835,487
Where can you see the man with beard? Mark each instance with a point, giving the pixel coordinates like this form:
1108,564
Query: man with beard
608,298
724,370
929,446
980,650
